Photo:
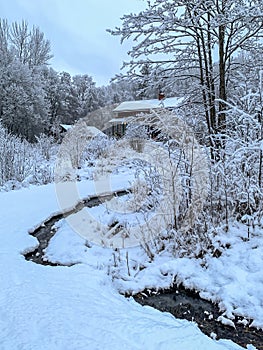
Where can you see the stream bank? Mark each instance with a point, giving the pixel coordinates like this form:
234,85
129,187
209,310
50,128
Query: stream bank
180,302
47,230
187,304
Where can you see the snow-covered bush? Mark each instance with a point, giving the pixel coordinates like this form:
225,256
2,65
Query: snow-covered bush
23,163
116,153
46,146
82,142
16,157
136,134
96,148
236,178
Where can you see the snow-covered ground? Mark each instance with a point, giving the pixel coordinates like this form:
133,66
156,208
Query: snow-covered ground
79,307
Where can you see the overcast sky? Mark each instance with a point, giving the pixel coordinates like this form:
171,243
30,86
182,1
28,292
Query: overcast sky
77,32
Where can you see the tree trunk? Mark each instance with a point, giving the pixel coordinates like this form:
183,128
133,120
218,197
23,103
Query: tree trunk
221,123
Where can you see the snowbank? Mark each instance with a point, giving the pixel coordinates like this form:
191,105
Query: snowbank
73,308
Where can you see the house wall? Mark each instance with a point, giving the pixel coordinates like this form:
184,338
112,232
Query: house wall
116,130
126,114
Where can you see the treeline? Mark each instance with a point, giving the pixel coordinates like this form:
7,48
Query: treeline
34,98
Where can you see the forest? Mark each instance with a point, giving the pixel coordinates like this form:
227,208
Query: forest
35,100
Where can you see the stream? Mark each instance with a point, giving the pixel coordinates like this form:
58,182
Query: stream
187,304
46,230
181,302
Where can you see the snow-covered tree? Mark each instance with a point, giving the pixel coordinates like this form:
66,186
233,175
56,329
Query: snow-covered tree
23,53
197,41
23,105
29,46
86,93
52,94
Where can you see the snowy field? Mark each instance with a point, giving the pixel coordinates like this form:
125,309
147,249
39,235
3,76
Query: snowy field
79,307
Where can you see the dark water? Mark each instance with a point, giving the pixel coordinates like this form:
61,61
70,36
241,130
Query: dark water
187,304
46,231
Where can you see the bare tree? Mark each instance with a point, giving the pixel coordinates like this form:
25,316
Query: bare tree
29,46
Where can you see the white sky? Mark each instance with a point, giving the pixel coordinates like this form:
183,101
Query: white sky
77,32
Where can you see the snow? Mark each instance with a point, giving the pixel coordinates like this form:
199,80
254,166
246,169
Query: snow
226,321
93,131
77,307
169,102
118,120
66,127
234,280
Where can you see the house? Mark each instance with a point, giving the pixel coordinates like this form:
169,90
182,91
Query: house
127,109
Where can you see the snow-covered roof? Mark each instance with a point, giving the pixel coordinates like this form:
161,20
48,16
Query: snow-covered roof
149,104
66,126
93,131
118,120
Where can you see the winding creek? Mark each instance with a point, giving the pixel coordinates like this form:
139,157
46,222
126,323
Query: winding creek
180,302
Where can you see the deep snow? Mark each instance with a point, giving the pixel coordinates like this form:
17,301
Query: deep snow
78,307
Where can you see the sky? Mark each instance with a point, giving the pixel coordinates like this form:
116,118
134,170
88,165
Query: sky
76,30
